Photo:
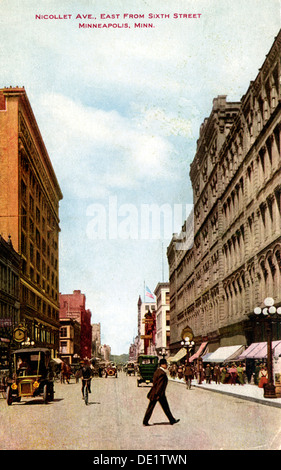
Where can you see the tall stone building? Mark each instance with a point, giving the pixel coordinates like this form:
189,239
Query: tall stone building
96,339
29,213
235,260
74,306
162,294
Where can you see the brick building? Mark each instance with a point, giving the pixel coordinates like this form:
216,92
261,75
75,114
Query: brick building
74,306
235,261
29,213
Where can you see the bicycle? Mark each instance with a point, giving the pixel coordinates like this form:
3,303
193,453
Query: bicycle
86,391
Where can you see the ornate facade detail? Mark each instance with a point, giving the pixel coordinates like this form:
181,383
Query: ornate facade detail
236,176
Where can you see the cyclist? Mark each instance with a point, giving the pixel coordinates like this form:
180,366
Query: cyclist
86,377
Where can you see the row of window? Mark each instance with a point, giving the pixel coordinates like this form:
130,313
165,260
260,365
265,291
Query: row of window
239,290
38,236
8,314
9,281
28,297
31,194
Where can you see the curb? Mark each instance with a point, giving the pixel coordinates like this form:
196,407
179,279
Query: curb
261,401
242,397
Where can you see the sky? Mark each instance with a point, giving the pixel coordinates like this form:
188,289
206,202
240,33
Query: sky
119,109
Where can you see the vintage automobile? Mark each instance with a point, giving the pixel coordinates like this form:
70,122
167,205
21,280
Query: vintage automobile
31,376
111,371
147,365
130,368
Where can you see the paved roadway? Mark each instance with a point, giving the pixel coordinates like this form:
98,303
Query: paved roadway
113,420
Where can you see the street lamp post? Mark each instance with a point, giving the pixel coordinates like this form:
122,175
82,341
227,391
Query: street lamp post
188,345
267,314
28,342
163,353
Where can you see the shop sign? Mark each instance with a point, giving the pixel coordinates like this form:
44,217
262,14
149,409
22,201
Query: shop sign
4,322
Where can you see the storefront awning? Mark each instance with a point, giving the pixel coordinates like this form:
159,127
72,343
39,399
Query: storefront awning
178,356
277,350
250,352
226,353
259,350
57,360
206,356
199,352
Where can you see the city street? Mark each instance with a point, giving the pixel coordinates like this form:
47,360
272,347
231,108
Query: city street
113,420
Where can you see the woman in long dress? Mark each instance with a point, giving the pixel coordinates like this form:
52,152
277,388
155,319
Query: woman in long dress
263,377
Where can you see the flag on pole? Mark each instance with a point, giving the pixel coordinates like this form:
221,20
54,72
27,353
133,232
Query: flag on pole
148,293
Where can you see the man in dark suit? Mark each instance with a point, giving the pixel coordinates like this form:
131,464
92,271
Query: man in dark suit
157,393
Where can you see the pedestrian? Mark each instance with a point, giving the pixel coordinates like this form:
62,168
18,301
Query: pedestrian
180,372
157,393
258,367
217,374
173,371
233,374
240,373
224,374
249,371
263,377
188,374
200,371
208,373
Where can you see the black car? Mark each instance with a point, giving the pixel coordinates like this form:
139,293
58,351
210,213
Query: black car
31,375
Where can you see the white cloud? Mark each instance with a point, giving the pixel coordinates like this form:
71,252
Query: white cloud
166,124
107,148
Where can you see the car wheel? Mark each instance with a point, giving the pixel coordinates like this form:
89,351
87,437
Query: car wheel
9,396
45,394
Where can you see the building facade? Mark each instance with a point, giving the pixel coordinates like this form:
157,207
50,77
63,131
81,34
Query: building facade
105,352
73,306
133,350
9,297
235,260
162,294
70,334
146,338
96,340
29,210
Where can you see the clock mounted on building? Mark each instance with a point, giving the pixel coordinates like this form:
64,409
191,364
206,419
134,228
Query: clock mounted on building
19,334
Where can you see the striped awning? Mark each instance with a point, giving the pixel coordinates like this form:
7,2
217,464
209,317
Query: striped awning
178,356
199,352
226,353
259,350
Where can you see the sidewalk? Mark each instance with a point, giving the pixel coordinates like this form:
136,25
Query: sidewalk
245,392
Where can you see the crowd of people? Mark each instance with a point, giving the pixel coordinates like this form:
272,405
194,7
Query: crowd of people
232,373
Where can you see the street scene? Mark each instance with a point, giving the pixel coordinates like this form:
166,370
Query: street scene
113,420
140,226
